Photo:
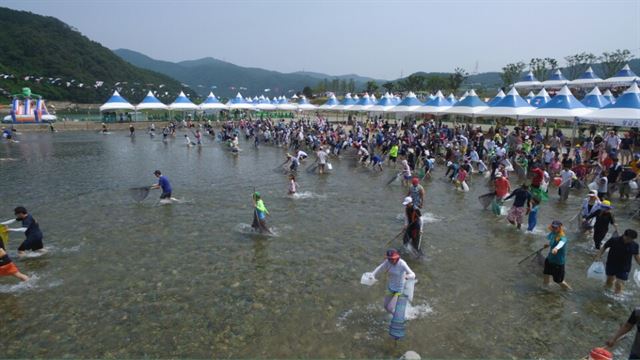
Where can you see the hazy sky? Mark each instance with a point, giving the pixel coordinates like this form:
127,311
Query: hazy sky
381,39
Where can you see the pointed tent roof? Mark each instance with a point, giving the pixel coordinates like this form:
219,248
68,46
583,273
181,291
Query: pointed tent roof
528,81
470,105
625,112
384,104
496,98
451,98
346,103
373,99
435,106
331,103
529,96
212,103
409,104
556,81
283,104
304,104
587,79
594,99
562,106
363,104
607,94
150,102
540,99
264,104
623,77
512,105
294,97
116,102
182,102
239,102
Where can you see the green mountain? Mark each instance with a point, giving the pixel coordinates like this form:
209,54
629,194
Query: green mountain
59,63
226,79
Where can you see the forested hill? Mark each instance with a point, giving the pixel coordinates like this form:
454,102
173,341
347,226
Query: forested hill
59,63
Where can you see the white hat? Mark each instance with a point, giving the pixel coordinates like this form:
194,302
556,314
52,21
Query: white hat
408,200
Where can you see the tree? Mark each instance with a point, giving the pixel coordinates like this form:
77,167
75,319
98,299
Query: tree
413,82
538,67
389,86
372,87
511,73
335,85
320,88
343,86
457,78
352,86
435,83
614,61
307,92
578,63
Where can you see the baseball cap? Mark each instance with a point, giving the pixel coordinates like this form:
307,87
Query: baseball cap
407,201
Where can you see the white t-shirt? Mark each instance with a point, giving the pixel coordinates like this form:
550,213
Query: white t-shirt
396,279
322,157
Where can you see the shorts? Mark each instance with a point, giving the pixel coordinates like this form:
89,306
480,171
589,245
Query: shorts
393,158
516,214
166,195
618,273
408,177
8,269
555,270
393,293
31,244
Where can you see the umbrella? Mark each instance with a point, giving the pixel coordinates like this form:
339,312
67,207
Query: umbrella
528,81
607,94
116,102
625,112
436,106
496,98
212,103
556,81
587,79
540,99
562,106
385,104
304,104
471,105
182,103
409,104
624,77
238,103
529,96
594,99
512,105
150,102
330,104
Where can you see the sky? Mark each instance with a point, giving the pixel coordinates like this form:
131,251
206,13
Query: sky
380,39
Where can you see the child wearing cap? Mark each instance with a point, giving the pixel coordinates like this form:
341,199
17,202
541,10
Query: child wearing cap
555,262
589,206
399,272
603,217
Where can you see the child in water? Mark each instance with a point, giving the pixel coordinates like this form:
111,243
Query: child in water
292,184
533,213
7,267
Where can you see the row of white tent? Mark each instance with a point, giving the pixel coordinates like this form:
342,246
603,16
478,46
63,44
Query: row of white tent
595,107
624,77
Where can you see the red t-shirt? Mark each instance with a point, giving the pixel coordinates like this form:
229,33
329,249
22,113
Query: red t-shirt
502,187
538,176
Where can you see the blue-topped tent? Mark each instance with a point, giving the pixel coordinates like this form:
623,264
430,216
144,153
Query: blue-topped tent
435,106
283,104
528,81
609,96
182,103
624,77
346,103
512,105
496,98
264,104
150,102
451,98
409,104
562,106
116,102
540,99
529,96
363,104
471,105
304,104
330,104
556,81
587,79
239,103
625,112
594,99
384,104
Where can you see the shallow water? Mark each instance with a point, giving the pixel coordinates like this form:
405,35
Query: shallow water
127,279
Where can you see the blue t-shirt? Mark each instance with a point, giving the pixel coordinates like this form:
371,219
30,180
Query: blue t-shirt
164,184
560,257
33,229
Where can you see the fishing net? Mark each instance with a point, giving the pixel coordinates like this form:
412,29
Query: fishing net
140,193
312,168
486,199
393,179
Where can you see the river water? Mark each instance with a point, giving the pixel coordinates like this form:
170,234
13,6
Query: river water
127,279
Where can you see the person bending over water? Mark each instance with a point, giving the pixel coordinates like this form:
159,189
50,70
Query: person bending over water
163,183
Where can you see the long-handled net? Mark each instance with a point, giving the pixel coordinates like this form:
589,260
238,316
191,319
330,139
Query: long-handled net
139,193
